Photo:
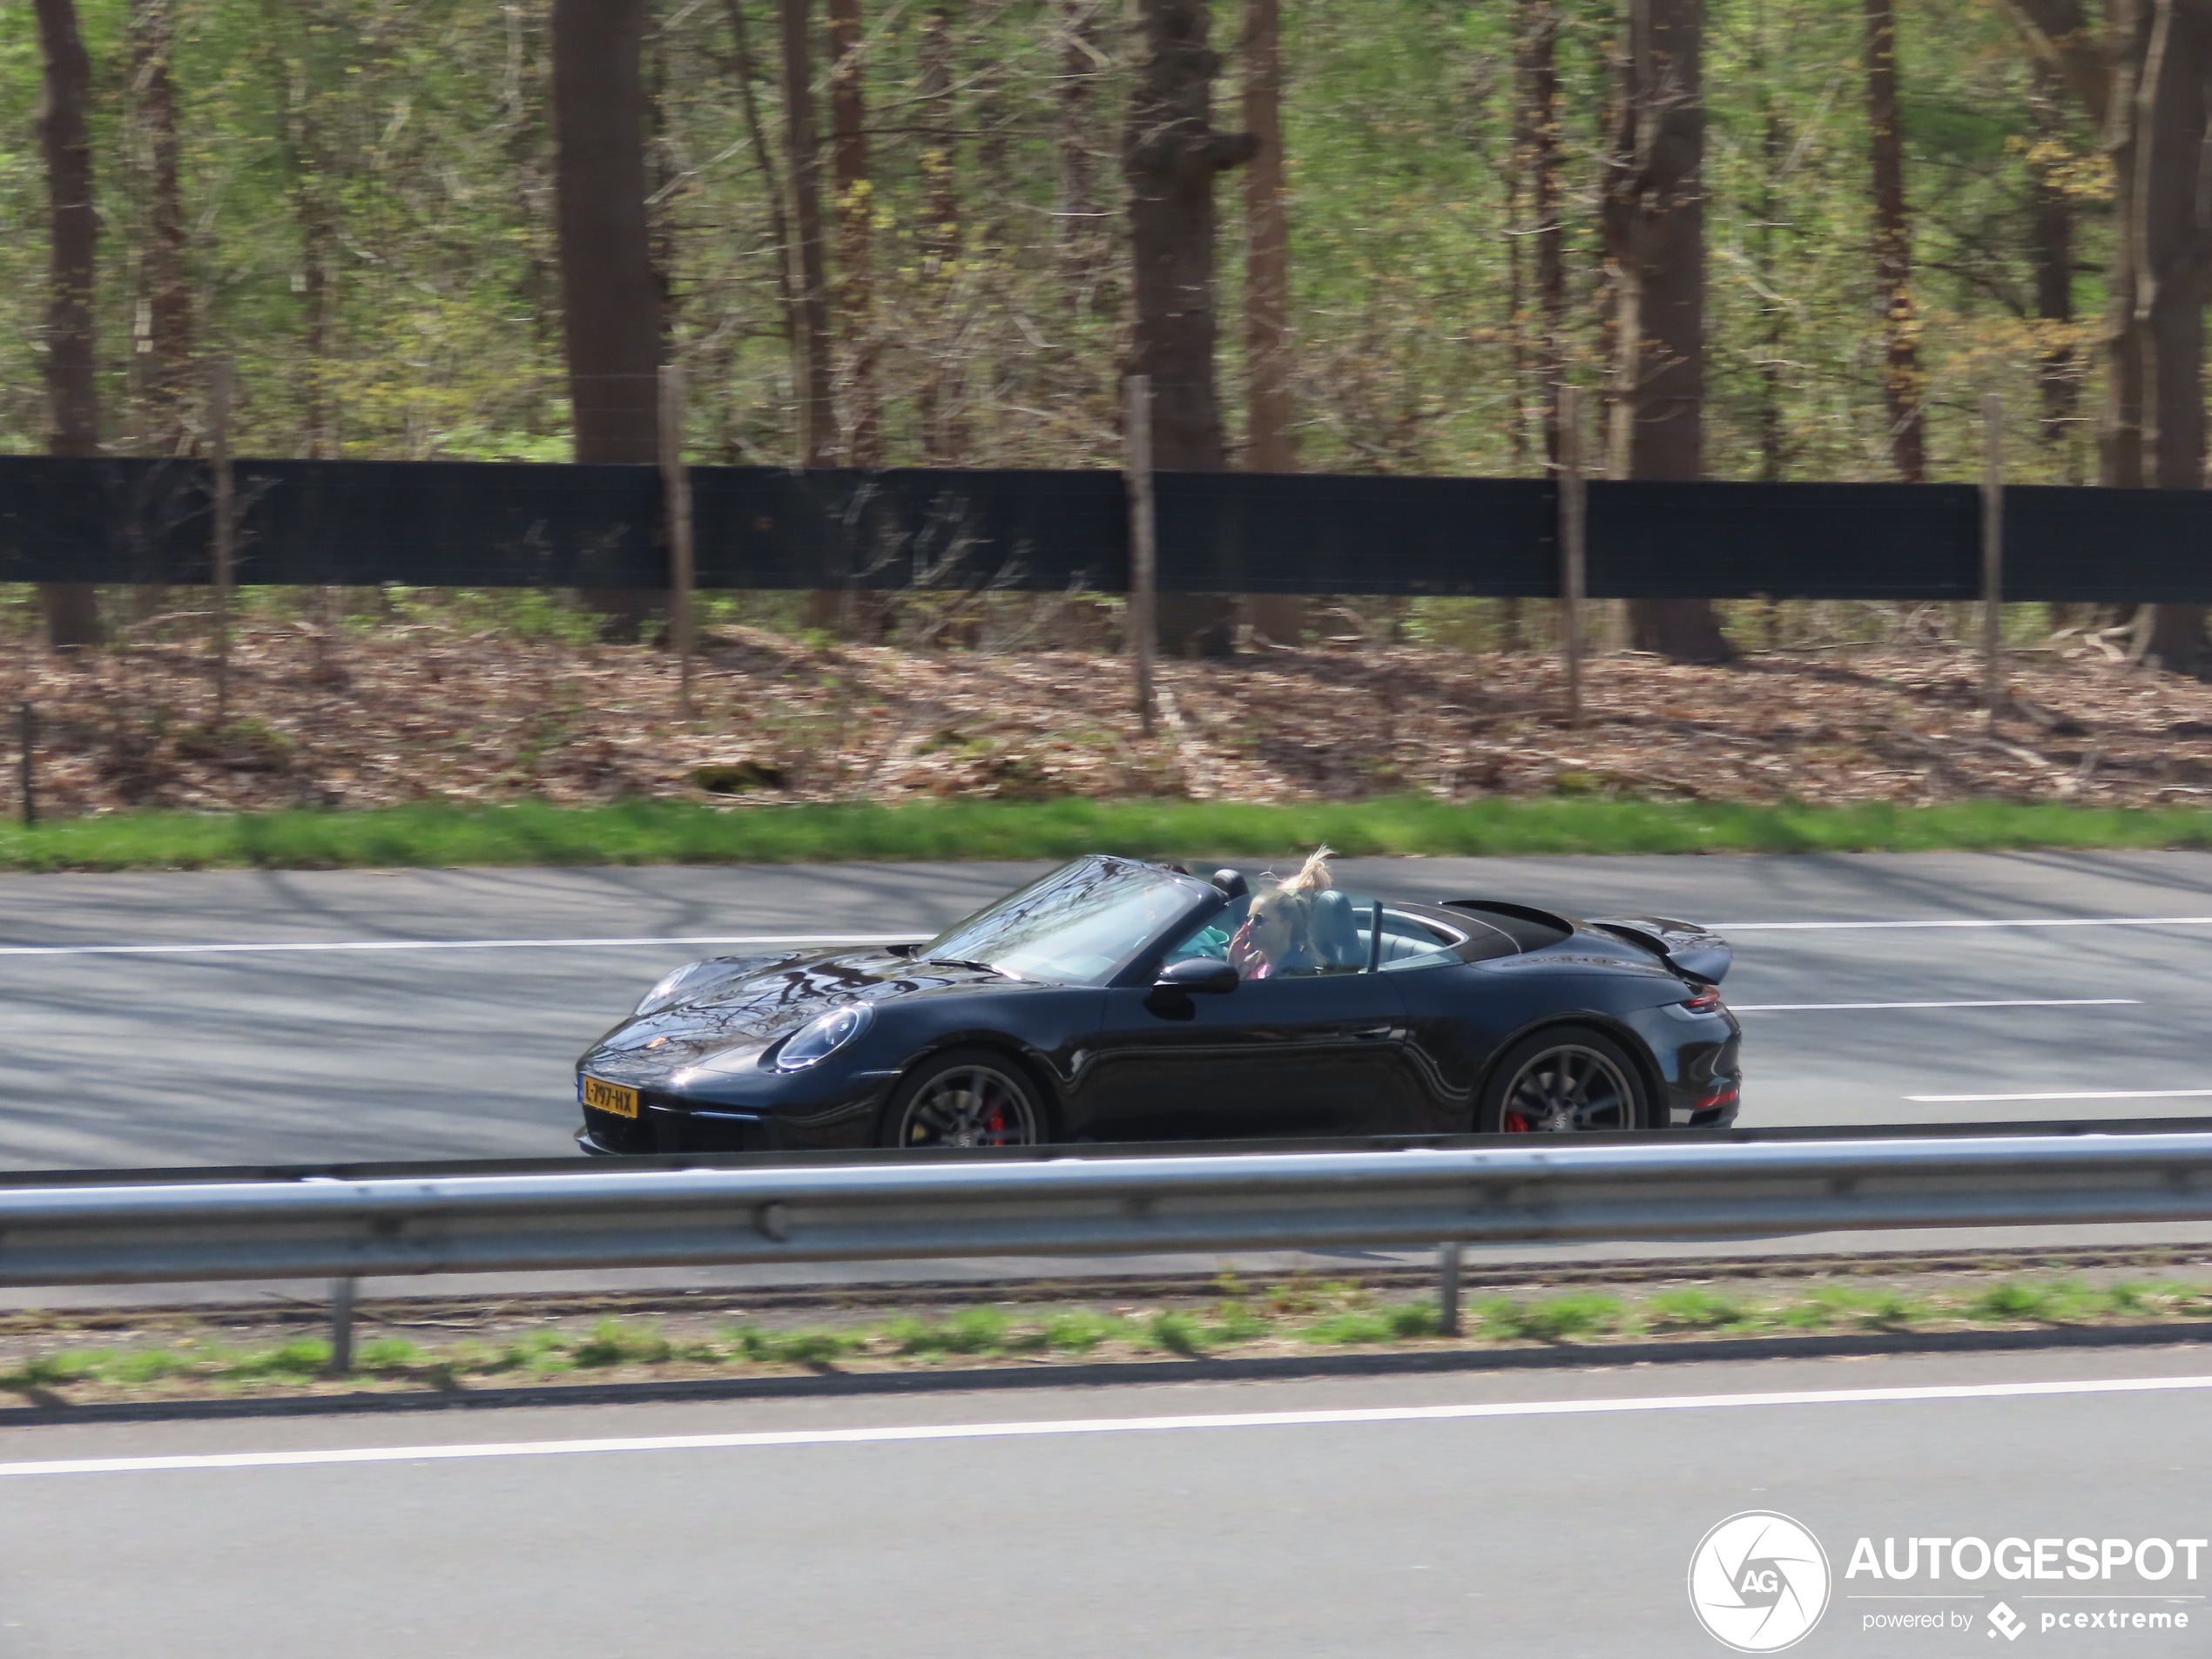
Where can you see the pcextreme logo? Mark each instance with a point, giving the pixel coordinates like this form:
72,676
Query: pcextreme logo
1758,1583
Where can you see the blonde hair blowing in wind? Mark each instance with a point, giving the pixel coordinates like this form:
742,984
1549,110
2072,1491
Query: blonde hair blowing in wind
1313,876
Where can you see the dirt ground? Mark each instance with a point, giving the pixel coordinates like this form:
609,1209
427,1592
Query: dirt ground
438,709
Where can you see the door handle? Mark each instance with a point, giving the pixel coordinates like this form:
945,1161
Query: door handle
1373,1033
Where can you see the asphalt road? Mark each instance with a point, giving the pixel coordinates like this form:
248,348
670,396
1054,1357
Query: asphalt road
1531,1516
445,1025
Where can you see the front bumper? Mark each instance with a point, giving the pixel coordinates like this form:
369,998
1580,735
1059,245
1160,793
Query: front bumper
661,1128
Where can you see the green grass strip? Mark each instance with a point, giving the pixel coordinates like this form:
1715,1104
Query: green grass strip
662,832
1325,1315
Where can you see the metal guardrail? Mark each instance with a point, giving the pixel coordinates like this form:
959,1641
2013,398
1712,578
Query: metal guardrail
419,1170
1084,1207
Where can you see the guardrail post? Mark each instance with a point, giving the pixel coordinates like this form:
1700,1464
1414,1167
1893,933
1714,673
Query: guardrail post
1448,1288
342,1327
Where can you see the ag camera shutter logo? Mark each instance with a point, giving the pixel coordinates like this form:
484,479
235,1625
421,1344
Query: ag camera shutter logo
1758,1583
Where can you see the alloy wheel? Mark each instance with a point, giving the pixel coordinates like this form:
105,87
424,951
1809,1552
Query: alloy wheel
1566,1090
969,1106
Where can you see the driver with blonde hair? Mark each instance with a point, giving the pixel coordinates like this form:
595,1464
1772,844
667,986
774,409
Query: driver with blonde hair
1277,934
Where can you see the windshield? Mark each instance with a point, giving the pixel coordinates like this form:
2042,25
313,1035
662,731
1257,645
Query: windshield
1078,926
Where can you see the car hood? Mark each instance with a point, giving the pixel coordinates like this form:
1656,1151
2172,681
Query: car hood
760,999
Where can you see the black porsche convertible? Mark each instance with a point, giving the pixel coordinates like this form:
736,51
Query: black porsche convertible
1116,1000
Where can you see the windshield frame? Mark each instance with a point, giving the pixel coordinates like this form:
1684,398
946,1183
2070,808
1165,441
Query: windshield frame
1204,900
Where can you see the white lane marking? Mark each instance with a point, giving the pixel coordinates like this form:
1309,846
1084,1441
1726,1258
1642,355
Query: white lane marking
461,944
1963,921
2039,1002
2079,1094
1097,1426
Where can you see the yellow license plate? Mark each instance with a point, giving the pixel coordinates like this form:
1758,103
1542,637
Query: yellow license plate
609,1097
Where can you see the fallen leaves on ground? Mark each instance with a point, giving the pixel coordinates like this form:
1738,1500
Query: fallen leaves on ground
422,710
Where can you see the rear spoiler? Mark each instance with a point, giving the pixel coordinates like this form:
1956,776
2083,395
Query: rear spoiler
1687,947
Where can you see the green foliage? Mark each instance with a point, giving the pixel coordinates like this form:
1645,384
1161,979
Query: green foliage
420,135
1078,1331
1558,1318
1180,1333
2042,1301
1691,1308
1406,1322
618,1342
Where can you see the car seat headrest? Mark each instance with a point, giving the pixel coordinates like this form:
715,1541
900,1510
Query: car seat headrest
1231,883
1336,932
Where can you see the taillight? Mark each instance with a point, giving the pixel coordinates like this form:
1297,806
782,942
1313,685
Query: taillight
1706,1001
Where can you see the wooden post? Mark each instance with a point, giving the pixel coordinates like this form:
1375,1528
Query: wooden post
218,420
1993,556
27,739
683,571
1143,551
1574,522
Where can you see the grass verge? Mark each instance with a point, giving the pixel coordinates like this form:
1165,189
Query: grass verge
664,831
1282,1318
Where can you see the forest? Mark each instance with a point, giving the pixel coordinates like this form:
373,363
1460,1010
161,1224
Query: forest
1771,240
355,199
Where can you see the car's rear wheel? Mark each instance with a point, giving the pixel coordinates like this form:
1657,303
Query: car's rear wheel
1567,1081
966,1097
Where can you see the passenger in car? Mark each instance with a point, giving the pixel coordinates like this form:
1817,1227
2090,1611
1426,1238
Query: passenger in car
1279,937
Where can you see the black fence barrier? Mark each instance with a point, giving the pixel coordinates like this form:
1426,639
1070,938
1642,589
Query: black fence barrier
495,524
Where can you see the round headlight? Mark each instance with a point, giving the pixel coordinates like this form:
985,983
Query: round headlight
815,1041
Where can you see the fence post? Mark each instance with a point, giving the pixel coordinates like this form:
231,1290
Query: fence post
341,1326
676,488
26,735
1448,1288
1574,522
1143,551
219,418
1993,556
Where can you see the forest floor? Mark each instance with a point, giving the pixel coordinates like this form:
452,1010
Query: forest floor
432,712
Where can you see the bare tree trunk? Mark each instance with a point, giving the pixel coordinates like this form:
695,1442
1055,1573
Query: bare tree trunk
1270,434
1536,171
72,613
1078,215
163,337
855,233
2120,438
2171,224
744,68
1774,317
611,296
1170,161
2051,254
943,434
1654,219
1903,389
814,385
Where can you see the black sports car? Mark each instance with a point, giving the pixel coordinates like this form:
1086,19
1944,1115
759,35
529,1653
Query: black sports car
1120,1000
1116,1000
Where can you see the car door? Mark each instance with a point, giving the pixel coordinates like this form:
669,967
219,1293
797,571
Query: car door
1313,1050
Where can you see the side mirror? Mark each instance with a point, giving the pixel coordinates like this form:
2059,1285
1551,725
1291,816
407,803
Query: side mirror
1207,974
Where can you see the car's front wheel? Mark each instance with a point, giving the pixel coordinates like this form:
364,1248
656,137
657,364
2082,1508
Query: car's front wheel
1564,1082
966,1097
